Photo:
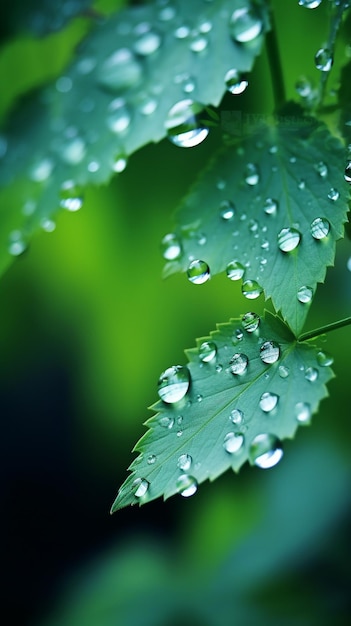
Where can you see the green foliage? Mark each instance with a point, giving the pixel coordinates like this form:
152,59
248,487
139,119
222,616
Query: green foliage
251,385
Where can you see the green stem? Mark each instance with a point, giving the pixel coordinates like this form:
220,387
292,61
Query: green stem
335,25
275,66
311,334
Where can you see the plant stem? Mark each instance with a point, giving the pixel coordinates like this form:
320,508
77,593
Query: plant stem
335,25
276,70
311,334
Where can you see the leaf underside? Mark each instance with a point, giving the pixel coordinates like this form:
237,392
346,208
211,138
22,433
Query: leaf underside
290,157
198,424
114,99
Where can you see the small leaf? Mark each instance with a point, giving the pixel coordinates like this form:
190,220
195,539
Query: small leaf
116,97
269,210
251,385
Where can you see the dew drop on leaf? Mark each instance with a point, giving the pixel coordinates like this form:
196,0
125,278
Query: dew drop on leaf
251,289
311,374
303,87
16,243
186,485
207,351
268,401
238,363
323,60
173,384
41,170
233,442
227,210
288,239
320,228
47,225
270,206
183,126
310,4
234,83
147,43
321,169
141,485
198,272
252,176
166,422
120,71
182,32
151,459
333,194
184,462
269,352
250,322
171,247
265,450
198,43
283,371
71,196
324,359
119,163
303,412
245,25
235,270
236,416
118,118
305,294
347,173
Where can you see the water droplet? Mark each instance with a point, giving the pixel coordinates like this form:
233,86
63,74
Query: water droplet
235,270
250,322
238,363
118,118
252,176
167,13
347,174
183,126
147,43
171,247
182,32
198,272
236,416
93,166
305,294
173,384
310,4
219,368
166,422
322,169
147,105
86,65
186,82
73,151
301,184
324,359
270,206
184,462
235,84
119,163
198,43
41,170
268,401
288,239
207,351
47,225
303,87
311,374
283,371
237,336
17,244
253,226
333,194
251,289
323,60
348,264
140,485
265,450
71,196
227,210
303,412
120,71
151,459
269,352
186,485
245,25
233,442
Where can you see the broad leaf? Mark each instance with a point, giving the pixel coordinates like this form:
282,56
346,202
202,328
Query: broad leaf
230,413
115,98
283,176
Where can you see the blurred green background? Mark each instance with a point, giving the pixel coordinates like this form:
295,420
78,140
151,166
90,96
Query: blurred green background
87,325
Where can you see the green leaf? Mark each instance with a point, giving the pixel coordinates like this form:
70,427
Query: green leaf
114,99
296,169
191,440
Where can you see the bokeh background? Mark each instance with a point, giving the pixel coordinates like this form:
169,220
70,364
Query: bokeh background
87,325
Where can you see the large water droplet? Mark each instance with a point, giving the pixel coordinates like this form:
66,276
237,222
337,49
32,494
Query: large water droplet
251,289
227,210
233,442
305,294
171,247
207,351
235,270
17,244
252,176
147,43
303,412
118,118
238,363
173,384
324,359
268,401
140,485
310,4
71,196
184,462
323,60
236,416
270,206
198,272
311,374
186,485
269,352
183,126
288,239
347,173
265,450
234,83
250,321
245,25
120,71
